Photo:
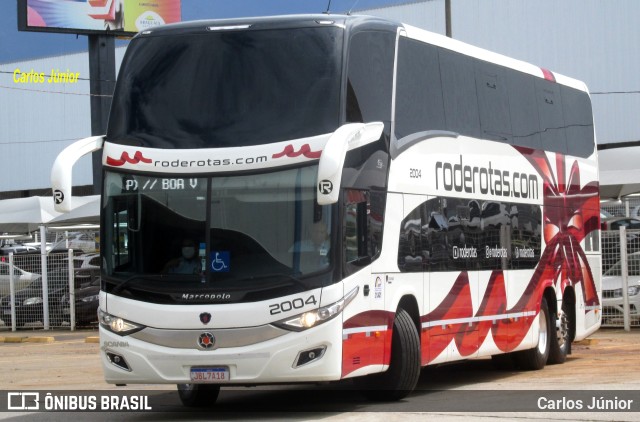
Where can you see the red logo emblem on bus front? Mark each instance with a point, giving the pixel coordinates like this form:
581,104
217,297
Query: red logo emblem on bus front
206,340
205,317
290,151
125,158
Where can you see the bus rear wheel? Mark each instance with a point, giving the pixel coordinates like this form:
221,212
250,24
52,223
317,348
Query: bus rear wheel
536,358
401,377
198,395
561,342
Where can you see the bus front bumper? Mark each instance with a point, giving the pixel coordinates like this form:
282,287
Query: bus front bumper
307,356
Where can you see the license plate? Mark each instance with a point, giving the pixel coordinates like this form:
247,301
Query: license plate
7,312
212,375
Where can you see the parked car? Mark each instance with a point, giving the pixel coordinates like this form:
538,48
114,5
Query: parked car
614,223
89,260
31,261
29,303
85,242
81,277
16,249
605,214
612,288
86,303
21,278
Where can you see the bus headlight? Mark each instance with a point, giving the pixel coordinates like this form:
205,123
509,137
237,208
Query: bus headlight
318,316
117,325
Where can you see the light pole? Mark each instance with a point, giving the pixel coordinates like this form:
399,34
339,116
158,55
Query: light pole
447,17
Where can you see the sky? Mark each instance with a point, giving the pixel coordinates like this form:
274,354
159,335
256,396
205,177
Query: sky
16,45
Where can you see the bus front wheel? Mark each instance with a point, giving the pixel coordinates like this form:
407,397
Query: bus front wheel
404,369
198,395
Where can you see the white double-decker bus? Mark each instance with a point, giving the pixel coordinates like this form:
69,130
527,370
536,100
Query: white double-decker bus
316,198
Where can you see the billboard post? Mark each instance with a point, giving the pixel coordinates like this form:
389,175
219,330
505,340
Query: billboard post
102,75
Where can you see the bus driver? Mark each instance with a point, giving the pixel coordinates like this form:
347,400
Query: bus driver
187,263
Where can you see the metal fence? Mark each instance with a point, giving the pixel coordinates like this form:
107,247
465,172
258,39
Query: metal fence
621,278
626,207
72,279
54,290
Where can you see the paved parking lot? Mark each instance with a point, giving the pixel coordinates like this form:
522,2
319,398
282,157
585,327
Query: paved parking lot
609,360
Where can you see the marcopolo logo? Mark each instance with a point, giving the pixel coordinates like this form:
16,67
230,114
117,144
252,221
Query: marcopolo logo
486,180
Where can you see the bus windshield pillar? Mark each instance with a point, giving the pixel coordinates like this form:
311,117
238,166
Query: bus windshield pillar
347,137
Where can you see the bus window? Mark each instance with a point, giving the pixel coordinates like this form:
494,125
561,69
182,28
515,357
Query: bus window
523,110
370,77
576,108
459,93
357,247
419,91
493,102
410,252
552,127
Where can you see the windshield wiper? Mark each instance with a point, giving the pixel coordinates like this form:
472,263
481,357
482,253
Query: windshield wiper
291,277
121,285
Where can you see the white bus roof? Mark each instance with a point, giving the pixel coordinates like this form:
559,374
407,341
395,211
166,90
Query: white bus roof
486,55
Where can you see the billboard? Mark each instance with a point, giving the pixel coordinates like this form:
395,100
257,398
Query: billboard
117,17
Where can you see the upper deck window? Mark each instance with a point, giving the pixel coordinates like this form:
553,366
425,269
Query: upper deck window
228,88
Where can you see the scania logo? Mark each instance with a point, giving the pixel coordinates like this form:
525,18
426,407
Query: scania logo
205,317
206,340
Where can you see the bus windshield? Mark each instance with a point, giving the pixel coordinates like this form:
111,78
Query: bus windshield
239,231
227,88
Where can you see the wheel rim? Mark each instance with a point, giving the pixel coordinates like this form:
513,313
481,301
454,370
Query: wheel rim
187,388
562,329
542,335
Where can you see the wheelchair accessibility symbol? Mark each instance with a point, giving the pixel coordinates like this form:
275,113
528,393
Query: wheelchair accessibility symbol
220,261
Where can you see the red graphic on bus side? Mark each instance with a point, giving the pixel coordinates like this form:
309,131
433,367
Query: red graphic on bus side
305,150
125,158
570,214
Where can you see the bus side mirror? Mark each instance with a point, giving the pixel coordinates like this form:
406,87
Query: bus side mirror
62,170
347,137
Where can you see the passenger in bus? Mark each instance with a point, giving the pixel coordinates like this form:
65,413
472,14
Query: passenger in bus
316,246
187,262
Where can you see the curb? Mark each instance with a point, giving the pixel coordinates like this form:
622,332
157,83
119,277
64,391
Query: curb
40,339
14,339
24,339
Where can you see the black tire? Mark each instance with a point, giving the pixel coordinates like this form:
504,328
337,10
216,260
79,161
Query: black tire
560,344
503,362
198,395
400,379
536,358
